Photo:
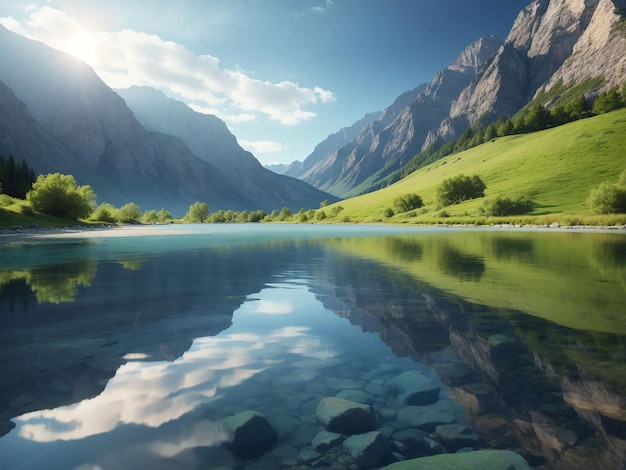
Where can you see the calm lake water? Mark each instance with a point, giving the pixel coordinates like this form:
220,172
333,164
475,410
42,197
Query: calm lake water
127,353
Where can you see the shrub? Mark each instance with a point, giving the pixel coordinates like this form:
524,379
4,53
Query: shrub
321,215
27,210
460,188
5,200
388,212
408,202
129,213
503,205
105,212
58,195
608,198
198,212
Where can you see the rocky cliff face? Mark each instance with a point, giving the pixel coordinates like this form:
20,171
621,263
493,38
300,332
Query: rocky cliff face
385,144
551,41
104,145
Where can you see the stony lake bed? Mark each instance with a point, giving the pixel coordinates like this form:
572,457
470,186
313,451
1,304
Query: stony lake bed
313,347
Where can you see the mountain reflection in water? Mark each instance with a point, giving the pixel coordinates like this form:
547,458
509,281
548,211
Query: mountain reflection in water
129,352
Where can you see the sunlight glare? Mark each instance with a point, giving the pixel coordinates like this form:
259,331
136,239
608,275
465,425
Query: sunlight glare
83,45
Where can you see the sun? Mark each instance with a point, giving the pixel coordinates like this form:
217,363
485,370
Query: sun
83,45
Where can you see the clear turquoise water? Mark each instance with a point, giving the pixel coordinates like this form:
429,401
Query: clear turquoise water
128,352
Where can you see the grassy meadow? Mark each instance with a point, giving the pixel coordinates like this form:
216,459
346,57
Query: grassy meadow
555,168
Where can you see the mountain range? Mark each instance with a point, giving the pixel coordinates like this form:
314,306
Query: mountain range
553,47
160,153
138,145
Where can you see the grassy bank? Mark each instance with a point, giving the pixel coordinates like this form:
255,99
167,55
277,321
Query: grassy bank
556,168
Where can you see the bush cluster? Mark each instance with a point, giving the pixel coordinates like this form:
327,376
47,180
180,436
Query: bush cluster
502,206
609,198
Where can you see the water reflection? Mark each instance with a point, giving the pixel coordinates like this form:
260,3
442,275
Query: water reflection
157,347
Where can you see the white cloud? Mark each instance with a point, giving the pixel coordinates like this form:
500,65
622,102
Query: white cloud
125,58
262,146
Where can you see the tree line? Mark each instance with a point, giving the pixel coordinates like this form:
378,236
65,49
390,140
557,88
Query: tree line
15,179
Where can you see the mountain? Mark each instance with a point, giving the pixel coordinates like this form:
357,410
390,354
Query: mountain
81,125
553,48
209,138
552,44
399,132
328,146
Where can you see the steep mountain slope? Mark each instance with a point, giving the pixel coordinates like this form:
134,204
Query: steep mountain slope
551,42
102,136
399,133
328,146
209,138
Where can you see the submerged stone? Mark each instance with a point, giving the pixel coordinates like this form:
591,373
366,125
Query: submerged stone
456,436
477,460
367,449
325,440
345,416
248,433
358,396
414,388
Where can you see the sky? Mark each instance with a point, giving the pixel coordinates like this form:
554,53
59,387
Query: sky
282,74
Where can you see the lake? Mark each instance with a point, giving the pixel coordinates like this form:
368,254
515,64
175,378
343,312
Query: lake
126,352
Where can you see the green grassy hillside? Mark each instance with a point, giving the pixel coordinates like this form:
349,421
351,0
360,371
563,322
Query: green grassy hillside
555,168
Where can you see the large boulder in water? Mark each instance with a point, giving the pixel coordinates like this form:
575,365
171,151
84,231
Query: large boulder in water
477,460
345,416
248,433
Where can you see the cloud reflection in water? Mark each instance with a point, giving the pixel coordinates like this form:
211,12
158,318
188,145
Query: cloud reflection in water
154,393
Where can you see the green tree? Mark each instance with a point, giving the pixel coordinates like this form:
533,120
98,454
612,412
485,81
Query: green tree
198,213
324,203
256,216
334,212
408,202
105,212
285,213
608,198
59,195
460,188
608,101
578,108
16,180
321,215
536,119
164,216
559,116
129,213
150,217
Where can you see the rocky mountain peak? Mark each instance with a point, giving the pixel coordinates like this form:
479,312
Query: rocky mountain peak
476,54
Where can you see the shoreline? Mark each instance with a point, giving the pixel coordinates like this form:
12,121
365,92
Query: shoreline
22,234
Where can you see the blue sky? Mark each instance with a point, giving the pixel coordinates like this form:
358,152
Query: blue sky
282,74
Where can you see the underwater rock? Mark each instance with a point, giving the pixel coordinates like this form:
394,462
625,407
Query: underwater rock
325,440
414,388
477,460
248,433
345,416
367,449
456,436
